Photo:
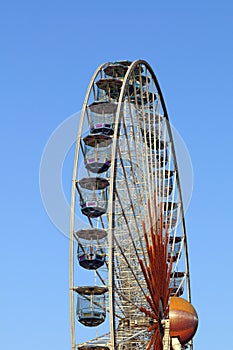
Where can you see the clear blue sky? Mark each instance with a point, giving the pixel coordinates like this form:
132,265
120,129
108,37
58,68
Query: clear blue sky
49,50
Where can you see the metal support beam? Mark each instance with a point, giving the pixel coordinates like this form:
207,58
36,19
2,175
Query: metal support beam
175,344
166,337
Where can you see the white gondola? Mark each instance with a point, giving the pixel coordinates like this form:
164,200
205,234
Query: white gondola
97,152
91,307
91,251
93,196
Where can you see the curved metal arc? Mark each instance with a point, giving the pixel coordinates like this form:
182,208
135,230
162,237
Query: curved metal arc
72,207
111,204
176,167
111,214
182,213
113,172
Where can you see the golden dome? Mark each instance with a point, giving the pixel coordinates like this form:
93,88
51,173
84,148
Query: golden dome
183,319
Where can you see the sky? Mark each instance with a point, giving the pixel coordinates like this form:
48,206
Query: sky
49,51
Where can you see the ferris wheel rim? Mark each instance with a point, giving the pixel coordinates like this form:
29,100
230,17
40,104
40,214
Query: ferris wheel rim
72,214
129,71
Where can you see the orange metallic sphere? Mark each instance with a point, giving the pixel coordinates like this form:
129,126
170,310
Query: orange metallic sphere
183,319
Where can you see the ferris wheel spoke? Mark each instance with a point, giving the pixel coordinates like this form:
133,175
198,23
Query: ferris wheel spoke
129,265
143,148
157,279
119,287
129,230
126,340
153,340
100,277
124,298
128,150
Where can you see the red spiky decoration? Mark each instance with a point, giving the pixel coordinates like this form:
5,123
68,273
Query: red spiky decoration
157,274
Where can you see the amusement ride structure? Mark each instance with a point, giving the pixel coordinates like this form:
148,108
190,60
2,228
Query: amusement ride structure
129,269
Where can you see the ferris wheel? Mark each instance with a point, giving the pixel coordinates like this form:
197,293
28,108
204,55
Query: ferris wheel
129,269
